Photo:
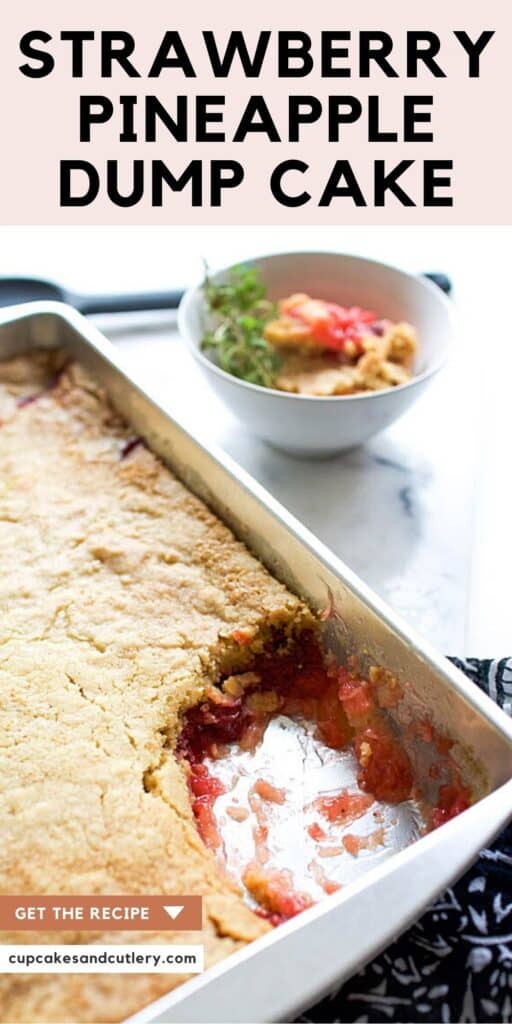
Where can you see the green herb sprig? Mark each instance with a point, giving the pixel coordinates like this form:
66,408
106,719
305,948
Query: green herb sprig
240,311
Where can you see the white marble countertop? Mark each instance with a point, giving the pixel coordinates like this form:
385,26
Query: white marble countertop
392,510
421,512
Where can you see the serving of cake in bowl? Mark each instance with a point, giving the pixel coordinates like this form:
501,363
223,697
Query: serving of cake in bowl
329,349
316,352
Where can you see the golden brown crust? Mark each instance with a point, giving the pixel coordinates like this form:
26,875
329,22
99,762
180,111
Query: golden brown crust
120,593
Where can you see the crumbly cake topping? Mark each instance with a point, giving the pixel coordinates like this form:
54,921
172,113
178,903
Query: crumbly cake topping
121,596
385,360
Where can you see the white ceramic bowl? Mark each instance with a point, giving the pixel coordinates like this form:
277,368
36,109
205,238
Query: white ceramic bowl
308,426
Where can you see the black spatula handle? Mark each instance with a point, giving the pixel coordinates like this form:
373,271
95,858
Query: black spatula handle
442,281
129,303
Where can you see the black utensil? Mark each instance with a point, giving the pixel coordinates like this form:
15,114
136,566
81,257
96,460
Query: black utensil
442,281
14,290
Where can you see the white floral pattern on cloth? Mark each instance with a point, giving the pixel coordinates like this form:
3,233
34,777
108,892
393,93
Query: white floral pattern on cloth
455,963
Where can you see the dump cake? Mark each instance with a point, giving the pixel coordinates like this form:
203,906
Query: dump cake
302,344
141,642
123,599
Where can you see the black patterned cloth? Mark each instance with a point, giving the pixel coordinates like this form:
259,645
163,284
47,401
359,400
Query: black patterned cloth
455,963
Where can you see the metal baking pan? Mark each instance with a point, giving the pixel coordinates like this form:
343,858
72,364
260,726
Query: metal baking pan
275,977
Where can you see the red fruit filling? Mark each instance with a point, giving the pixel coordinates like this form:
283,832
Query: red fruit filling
274,891
386,770
346,709
28,399
325,883
307,689
207,725
452,800
51,383
241,637
354,844
332,326
316,832
130,446
342,807
205,789
267,791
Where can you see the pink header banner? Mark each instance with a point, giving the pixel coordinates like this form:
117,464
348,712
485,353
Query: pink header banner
158,113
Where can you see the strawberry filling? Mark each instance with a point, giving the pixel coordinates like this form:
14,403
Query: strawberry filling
346,710
453,799
386,770
242,637
209,725
205,789
343,807
274,891
316,832
130,447
333,326
274,794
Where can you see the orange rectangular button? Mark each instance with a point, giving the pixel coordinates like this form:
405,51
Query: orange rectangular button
100,913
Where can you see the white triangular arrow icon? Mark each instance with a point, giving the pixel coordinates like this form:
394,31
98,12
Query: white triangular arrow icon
173,911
